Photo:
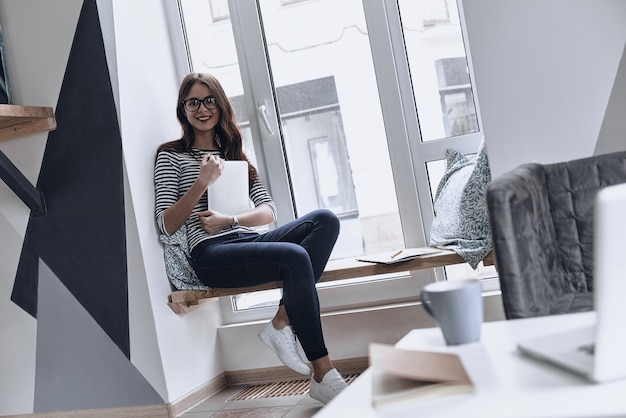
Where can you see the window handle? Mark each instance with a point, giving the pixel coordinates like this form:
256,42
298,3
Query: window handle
262,109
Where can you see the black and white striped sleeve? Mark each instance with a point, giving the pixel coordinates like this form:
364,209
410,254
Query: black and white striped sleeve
260,196
166,183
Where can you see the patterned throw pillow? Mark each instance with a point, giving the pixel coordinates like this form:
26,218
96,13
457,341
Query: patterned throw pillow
461,219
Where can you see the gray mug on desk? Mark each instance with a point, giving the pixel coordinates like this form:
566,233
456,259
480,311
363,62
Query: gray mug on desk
457,306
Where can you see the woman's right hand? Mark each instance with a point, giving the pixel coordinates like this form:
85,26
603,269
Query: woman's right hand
210,169
175,216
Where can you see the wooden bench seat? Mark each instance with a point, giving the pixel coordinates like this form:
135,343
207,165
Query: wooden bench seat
187,300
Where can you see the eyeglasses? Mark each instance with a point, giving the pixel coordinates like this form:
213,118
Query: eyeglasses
193,104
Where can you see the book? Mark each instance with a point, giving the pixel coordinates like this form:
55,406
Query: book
397,256
408,375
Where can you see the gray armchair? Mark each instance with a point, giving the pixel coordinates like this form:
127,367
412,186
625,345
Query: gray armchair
541,219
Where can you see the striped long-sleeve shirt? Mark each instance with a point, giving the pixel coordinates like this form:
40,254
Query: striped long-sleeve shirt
175,173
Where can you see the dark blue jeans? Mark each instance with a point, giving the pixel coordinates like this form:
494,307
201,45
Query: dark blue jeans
295,253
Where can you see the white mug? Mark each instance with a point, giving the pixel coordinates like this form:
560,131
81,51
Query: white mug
457,306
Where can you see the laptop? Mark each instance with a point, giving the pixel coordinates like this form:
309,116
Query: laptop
230,193
597,352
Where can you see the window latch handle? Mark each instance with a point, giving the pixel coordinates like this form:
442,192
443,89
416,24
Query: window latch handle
262,109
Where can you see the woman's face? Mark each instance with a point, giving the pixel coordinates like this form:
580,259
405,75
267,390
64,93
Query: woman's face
207,114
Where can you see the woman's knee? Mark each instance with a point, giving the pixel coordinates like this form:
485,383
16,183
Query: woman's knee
327,218
297,267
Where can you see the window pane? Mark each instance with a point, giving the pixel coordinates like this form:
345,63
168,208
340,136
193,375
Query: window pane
332,124
211,44
439,73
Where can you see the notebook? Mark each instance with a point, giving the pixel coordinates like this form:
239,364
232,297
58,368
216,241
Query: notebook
597,352
230,193
400,376
397,256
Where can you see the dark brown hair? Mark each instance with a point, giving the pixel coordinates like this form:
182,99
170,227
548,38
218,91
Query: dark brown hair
231,141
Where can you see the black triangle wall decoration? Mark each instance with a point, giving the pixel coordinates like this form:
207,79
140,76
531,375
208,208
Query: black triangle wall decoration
82,237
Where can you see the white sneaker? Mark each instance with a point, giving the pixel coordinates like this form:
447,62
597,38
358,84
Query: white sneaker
283,343
332,383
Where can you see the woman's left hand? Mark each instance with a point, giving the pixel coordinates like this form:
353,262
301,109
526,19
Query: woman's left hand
213,221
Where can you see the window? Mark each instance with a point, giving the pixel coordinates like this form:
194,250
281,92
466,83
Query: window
331,122
445,114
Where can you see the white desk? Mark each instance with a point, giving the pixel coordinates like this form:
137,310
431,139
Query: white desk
507,384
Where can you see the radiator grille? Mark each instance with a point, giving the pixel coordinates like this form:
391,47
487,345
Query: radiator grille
274,390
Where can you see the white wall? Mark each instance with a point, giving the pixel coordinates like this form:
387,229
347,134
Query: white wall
613,133
148,89
544,74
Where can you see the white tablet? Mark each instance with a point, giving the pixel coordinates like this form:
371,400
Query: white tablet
230,193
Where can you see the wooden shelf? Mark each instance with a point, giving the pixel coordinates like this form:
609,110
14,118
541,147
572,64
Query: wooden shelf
16,121
182,301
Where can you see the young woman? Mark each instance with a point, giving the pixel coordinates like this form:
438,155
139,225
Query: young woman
225,251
